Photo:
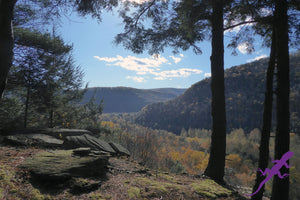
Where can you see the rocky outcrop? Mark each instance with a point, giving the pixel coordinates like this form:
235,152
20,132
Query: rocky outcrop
119,149
72,142
63,132
64,163
54,132
59,168
50,137
63,139
80,164
39,140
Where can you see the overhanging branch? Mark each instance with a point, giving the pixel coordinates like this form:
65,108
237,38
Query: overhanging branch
140,15
239,24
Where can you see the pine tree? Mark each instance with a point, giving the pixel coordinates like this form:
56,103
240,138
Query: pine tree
59,83
216,164
50,10
31,47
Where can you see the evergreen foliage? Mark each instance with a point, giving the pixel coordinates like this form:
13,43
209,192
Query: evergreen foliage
44,85
44,12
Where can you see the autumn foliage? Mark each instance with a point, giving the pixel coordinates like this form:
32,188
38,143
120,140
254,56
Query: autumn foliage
189,152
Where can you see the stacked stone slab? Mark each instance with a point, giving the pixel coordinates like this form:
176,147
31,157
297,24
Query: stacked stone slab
120,150
75,155
63,139
72,142
40,140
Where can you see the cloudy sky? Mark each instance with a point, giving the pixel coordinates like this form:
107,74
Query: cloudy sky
108,65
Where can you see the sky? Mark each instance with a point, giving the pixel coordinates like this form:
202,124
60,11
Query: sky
108,65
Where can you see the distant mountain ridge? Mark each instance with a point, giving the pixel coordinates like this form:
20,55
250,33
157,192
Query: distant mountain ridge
127,100
244,93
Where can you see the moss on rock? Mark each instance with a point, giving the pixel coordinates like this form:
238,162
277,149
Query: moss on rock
134,192
209,188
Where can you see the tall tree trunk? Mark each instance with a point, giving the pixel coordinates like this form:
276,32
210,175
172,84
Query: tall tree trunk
26,107
280,188
50,125
267,122
216,164
6,41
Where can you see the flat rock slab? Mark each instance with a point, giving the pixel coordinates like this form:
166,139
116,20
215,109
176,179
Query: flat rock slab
62,132
40,140
58,133
122,151
59,166
72,142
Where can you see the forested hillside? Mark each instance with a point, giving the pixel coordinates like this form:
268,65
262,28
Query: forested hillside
244,91
125,99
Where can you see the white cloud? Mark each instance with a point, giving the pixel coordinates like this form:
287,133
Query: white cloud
141,73
265,12
136,79
144,66
137,1
181,55
106,59
140,65
183,72
257,58
176,59
207,75
159,78
243,47
236,22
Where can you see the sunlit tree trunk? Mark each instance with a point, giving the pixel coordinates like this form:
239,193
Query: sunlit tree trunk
216,164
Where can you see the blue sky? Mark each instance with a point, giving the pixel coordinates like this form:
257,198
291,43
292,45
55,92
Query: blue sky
108,65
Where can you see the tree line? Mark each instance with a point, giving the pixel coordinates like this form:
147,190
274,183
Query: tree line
245,85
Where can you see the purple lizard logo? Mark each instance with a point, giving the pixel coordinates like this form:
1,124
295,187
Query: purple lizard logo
274,170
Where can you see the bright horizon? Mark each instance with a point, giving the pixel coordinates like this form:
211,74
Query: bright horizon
108,65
